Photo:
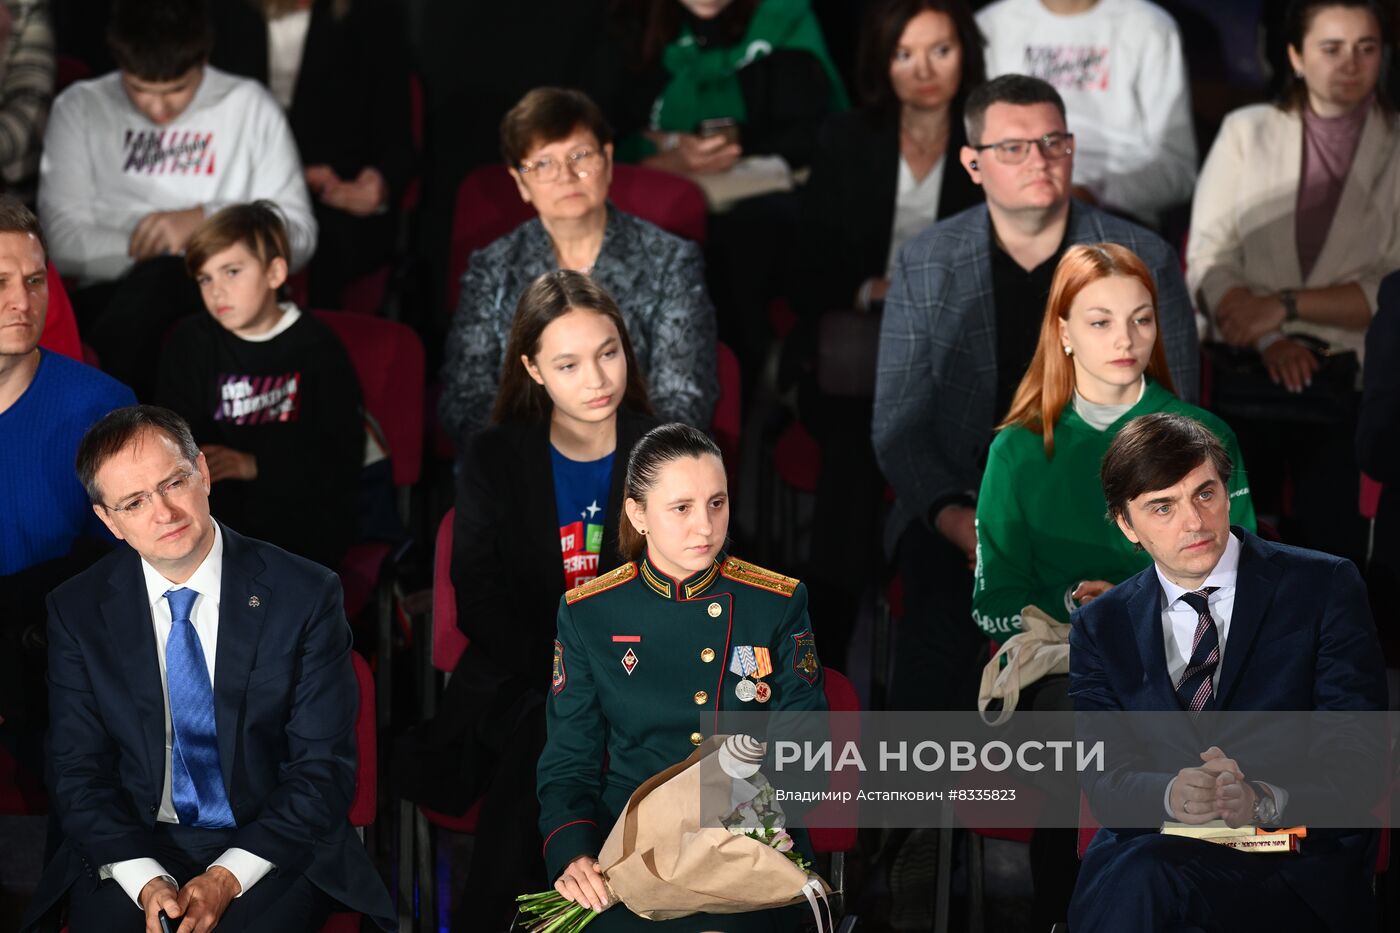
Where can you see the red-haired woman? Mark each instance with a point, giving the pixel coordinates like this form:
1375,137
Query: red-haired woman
1042,538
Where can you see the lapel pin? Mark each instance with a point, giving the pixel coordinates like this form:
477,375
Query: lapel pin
254,602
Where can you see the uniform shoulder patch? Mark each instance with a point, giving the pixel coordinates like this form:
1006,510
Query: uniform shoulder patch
560,678
599,584
744,572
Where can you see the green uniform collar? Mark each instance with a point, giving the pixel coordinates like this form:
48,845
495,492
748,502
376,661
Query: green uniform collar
668,587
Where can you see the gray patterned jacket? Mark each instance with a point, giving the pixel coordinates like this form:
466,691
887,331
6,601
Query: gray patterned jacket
657,279
935,387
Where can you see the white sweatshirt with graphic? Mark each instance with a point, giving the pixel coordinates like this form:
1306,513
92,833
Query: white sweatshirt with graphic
106,165
1120,69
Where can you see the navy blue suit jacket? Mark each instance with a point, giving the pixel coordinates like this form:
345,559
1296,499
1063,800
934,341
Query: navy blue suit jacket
285,700
1301,638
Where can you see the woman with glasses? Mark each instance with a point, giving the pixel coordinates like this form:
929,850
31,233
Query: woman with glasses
1295,222
881,174
558,148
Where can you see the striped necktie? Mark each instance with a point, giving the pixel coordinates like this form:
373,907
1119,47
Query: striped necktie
1195,688
196,781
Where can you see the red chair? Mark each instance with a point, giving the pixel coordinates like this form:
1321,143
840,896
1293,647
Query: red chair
416,823
841,697
61,324
366,802
794,466
489,206
448,640
388,359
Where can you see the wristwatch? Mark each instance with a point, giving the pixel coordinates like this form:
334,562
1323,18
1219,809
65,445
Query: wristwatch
1265,807
1289,299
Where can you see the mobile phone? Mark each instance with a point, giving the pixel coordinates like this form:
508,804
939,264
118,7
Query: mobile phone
165,926
728,127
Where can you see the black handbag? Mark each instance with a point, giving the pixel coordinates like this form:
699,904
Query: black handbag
1239,387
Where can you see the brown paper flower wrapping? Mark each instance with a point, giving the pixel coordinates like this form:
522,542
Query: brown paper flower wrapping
663,863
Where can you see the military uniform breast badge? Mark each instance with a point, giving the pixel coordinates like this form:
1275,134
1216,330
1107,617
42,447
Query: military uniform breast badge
756,662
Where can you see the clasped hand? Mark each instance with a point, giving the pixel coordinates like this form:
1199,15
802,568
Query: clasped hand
163,233
1244,317
199,905
1215,790
582,882
365,194
227,463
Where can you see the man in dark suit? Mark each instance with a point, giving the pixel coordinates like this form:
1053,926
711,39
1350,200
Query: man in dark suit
202,752
961,321
1223,621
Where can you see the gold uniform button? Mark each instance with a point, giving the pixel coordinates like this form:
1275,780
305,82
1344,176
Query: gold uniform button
700,697
696,738
707,655
714,610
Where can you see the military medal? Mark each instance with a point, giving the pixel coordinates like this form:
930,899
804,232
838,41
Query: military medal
763,666
743,663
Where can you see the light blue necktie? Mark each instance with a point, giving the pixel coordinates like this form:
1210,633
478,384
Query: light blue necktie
196,782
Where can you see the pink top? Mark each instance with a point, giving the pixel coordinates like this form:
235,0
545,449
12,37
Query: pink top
1329,145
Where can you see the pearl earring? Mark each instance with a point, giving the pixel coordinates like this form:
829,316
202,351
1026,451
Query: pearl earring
1069,351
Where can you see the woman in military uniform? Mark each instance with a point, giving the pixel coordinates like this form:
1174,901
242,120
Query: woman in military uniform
680,626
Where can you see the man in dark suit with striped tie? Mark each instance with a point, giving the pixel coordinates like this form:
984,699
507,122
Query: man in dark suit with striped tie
202,734
1223,621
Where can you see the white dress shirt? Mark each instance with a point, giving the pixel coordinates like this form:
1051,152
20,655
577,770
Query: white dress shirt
915,206
134,874
1179,631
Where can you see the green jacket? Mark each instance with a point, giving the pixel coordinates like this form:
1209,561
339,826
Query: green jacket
641,673
1042,525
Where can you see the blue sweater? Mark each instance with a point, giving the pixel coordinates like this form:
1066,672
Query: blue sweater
43,508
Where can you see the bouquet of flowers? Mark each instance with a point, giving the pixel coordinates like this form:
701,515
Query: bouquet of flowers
665,859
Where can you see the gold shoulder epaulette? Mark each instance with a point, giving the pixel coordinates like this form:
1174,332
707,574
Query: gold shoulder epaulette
598,584
754,575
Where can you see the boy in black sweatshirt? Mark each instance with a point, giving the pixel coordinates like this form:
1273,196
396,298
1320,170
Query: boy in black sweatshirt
268,391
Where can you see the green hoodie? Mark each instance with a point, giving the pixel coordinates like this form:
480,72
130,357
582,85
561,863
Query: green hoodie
1042,524
704,82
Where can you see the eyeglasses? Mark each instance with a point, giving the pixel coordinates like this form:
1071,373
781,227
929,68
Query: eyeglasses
171,487
1015,151
582,162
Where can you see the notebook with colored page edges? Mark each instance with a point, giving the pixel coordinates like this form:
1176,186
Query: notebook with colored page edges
1241,838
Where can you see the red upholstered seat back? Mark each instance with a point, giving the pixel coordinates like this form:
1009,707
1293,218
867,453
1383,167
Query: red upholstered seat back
388,359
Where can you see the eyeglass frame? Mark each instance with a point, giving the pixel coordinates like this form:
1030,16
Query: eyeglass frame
1042,143
570,160
137,504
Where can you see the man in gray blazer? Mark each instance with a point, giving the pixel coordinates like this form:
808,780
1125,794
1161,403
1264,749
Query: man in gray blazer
960,326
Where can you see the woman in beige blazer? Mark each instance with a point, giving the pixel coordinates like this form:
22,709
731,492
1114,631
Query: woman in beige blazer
1295,221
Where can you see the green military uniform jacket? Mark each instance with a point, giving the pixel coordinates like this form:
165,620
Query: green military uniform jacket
641,675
